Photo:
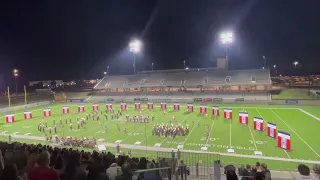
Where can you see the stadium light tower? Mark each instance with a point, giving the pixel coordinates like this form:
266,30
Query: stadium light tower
295,64
135,47
184,64
152,64
226,38
16,74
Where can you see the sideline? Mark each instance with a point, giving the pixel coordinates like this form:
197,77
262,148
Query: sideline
309,114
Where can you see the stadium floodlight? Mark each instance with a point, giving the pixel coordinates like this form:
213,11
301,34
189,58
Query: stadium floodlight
187,68
295,64
105,73
274,66
226,38
16,74
152,64
135,47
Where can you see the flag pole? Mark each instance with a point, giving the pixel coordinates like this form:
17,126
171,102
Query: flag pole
9,103
25,94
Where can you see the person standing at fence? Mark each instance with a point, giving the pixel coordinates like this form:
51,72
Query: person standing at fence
183,169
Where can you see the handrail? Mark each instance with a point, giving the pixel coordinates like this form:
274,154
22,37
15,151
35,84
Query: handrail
137,173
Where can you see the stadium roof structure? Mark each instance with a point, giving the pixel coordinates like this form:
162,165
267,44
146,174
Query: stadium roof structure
187,78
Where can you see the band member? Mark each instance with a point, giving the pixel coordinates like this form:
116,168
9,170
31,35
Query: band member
70,126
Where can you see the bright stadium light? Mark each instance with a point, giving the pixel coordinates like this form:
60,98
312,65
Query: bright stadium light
274,66
295,64
187,68
135,47
16,74
226,38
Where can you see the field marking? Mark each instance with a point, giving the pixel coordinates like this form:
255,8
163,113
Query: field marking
179,123
211,130
191,131
161,149
145,126
287,154
230,134
309,114
254,141
295,132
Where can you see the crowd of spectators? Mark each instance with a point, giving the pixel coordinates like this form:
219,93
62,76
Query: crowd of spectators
41,162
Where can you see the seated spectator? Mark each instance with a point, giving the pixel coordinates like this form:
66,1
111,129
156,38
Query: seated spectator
316,170
229,167
96,168
304,172
73,170
42,170
265,171
32,159
113,170
10,172
245,172
151,175
126,172
259,176
231,175
58,164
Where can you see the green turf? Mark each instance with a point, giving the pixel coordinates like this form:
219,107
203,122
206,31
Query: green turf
294,94
302,127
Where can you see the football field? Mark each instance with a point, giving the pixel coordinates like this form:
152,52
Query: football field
302,123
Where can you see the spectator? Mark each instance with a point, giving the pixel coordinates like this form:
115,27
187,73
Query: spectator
229,167
143,163
316,170
151,175
96,168
10,172
259,176
265,171
231,175
304,172
73,170
32,159
112,171
1,162
126,172
240,170
252,173
42,170
245,172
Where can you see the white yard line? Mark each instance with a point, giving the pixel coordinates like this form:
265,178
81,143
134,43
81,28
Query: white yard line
254,142
145,124
295,132
35,109
211,130
191,131
264,123
309,114
230,134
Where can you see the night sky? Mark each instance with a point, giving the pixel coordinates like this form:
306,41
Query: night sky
53,39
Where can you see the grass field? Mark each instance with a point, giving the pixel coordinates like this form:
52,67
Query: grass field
301,122
294,94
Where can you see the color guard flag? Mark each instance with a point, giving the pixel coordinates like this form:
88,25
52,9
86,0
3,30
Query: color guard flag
150,105
272,130
137,105
123,106
95,107
284,140
243,117
227,114
81,108
203,109
163,106
176,106
9,118
108,106
173,117
258,124
190,108
47,112
27,115
65,110
215,111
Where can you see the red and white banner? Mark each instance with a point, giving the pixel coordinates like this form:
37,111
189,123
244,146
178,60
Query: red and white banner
176,106
47,112
203,109
9,118
108,106
81,108
27,115
95,107
137,105
150,105
215,111
243,118
65,110
123,106
272,130
227,114
190,108
163,106
284,140
258,124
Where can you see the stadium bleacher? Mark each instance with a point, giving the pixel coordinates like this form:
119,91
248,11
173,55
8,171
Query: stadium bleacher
187,78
